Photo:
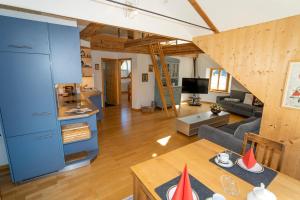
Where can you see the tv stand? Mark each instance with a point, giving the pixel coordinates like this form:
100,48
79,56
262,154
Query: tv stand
195,101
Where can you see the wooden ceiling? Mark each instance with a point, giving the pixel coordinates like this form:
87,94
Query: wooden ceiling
108,38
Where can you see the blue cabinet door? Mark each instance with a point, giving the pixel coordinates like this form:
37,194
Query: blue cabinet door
97,101
19,35
27,95
65,54
35,154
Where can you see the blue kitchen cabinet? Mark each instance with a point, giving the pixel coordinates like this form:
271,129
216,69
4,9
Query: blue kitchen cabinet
90,146
173,68
35,154
97,101
19,35
27,94
65,54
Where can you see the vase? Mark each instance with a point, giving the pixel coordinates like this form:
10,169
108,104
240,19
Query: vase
214,111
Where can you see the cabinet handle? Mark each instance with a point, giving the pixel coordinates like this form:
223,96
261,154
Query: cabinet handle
44,137
37,114
19,46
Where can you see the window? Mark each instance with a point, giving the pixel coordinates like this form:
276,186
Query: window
125,68
219,80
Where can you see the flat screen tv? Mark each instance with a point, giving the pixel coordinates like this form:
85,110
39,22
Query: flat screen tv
195,85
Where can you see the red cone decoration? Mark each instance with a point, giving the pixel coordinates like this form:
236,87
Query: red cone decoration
249,158
184,188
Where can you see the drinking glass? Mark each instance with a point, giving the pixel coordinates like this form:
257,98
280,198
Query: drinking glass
229,153
229,185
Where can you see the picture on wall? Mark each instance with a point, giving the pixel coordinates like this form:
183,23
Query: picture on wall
145,77
291,95
97,67
150,68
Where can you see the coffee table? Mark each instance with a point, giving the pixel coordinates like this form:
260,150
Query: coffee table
189,125
153,173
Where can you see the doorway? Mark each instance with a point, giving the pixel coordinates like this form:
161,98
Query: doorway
116,81
126,81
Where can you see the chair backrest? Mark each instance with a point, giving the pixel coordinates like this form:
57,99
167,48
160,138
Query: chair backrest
266,148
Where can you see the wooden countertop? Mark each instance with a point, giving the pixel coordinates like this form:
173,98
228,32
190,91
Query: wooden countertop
155,172
84,103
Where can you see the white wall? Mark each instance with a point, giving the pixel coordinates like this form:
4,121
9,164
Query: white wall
204,62
111,14
186,70
235,85
142,93
40,18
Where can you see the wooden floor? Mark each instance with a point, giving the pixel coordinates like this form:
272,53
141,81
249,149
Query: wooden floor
126,138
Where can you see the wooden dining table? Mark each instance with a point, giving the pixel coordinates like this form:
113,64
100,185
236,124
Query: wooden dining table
153,173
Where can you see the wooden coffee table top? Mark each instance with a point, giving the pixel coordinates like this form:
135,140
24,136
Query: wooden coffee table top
191,119
155,172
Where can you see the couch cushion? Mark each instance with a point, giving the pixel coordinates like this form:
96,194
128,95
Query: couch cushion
248,99
227,103
246,107
253,127
227,129
230,128
232,100
237,95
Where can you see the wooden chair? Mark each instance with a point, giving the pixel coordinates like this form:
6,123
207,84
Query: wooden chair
266,148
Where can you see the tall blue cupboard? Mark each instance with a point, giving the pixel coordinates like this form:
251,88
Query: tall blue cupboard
27,103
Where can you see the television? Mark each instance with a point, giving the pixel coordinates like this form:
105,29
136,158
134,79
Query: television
195,85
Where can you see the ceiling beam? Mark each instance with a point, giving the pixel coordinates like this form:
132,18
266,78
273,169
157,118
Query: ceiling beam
146,41
107,38
202,14
90,30
180,49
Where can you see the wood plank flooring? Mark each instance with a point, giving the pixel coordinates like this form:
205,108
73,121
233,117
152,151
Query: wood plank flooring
126,138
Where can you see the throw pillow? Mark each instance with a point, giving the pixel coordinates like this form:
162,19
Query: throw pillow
248,99
231,99
257,102
253,127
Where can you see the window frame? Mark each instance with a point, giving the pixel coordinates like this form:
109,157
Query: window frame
219,74
128,70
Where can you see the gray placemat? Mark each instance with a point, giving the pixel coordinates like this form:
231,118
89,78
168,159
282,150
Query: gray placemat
202,191
254,179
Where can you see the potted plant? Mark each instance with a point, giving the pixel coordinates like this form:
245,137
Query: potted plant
216,108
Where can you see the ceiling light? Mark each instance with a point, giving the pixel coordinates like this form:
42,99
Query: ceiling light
131,12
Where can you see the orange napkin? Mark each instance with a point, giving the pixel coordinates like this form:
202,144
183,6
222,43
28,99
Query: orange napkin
184,188
249,158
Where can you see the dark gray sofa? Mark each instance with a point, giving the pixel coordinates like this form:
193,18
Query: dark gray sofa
230,136
239,107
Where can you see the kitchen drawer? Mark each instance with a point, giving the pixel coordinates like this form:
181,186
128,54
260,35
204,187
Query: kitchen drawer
35,154
19,35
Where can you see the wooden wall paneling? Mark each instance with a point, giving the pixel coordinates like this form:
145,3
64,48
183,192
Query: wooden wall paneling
258,57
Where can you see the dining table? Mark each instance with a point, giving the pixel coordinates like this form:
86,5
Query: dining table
149,175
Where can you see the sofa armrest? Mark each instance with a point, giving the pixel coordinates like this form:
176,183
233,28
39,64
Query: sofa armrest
221,138
220,98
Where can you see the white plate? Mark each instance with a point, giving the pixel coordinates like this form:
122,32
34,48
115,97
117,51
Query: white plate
171,192
257,168
227,165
